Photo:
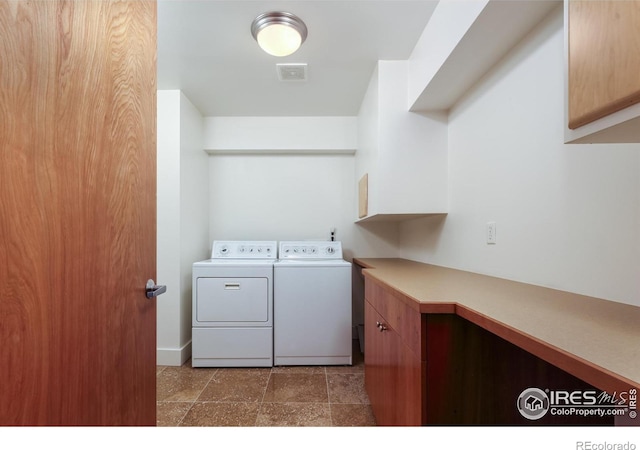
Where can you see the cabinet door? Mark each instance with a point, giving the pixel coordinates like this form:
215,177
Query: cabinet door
375,368
393,374
604,58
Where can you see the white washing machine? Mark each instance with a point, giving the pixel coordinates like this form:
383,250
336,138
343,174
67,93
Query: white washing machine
312,304
232,323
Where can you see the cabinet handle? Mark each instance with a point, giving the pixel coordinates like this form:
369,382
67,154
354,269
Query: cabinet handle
381,326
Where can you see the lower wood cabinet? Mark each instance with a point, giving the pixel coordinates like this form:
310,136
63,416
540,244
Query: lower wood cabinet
394,359
441,369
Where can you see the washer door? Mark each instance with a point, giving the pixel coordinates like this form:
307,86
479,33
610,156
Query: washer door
232,300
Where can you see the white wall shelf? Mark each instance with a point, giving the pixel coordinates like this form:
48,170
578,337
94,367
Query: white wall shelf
396,217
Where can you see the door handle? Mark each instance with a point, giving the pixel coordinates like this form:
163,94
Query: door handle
153,290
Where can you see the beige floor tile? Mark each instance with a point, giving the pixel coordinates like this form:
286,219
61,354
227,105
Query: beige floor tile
214,414
345,415
181,384
347,388
288,396
169,414
344,369
299,369
236,385
294,415
297,387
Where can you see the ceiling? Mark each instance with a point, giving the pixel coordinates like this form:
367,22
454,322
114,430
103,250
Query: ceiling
205,49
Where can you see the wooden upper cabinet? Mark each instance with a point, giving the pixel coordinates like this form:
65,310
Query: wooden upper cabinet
604,58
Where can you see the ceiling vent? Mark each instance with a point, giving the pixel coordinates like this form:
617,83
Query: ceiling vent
292,72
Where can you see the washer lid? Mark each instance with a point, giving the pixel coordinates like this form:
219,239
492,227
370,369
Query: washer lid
244,263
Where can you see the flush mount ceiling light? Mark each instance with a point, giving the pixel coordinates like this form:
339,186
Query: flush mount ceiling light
279,33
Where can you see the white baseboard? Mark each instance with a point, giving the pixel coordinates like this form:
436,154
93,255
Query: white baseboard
173,356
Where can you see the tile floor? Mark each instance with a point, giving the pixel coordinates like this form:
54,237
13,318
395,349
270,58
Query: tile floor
315,396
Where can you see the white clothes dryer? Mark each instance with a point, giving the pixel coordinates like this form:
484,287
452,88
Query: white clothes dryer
312,304
232,316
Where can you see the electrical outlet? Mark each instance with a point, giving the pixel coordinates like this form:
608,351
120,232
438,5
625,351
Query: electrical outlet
491,232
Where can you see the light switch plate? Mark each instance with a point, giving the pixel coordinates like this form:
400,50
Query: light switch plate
491,232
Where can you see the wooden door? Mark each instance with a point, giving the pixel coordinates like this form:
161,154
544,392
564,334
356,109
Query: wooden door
77,212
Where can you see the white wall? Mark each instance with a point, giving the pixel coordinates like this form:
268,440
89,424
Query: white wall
168,224
568,216
182,220
277,197
287,178
194,209
281,134
287,197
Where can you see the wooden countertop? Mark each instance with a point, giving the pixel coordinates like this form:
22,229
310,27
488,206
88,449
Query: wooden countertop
594,339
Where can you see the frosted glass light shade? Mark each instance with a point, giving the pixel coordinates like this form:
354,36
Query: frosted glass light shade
279,33
279,40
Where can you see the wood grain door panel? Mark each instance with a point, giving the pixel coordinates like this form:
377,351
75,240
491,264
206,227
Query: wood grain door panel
394,374
77,202
373,351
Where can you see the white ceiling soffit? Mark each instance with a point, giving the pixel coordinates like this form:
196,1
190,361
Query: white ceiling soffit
497,29
205,49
